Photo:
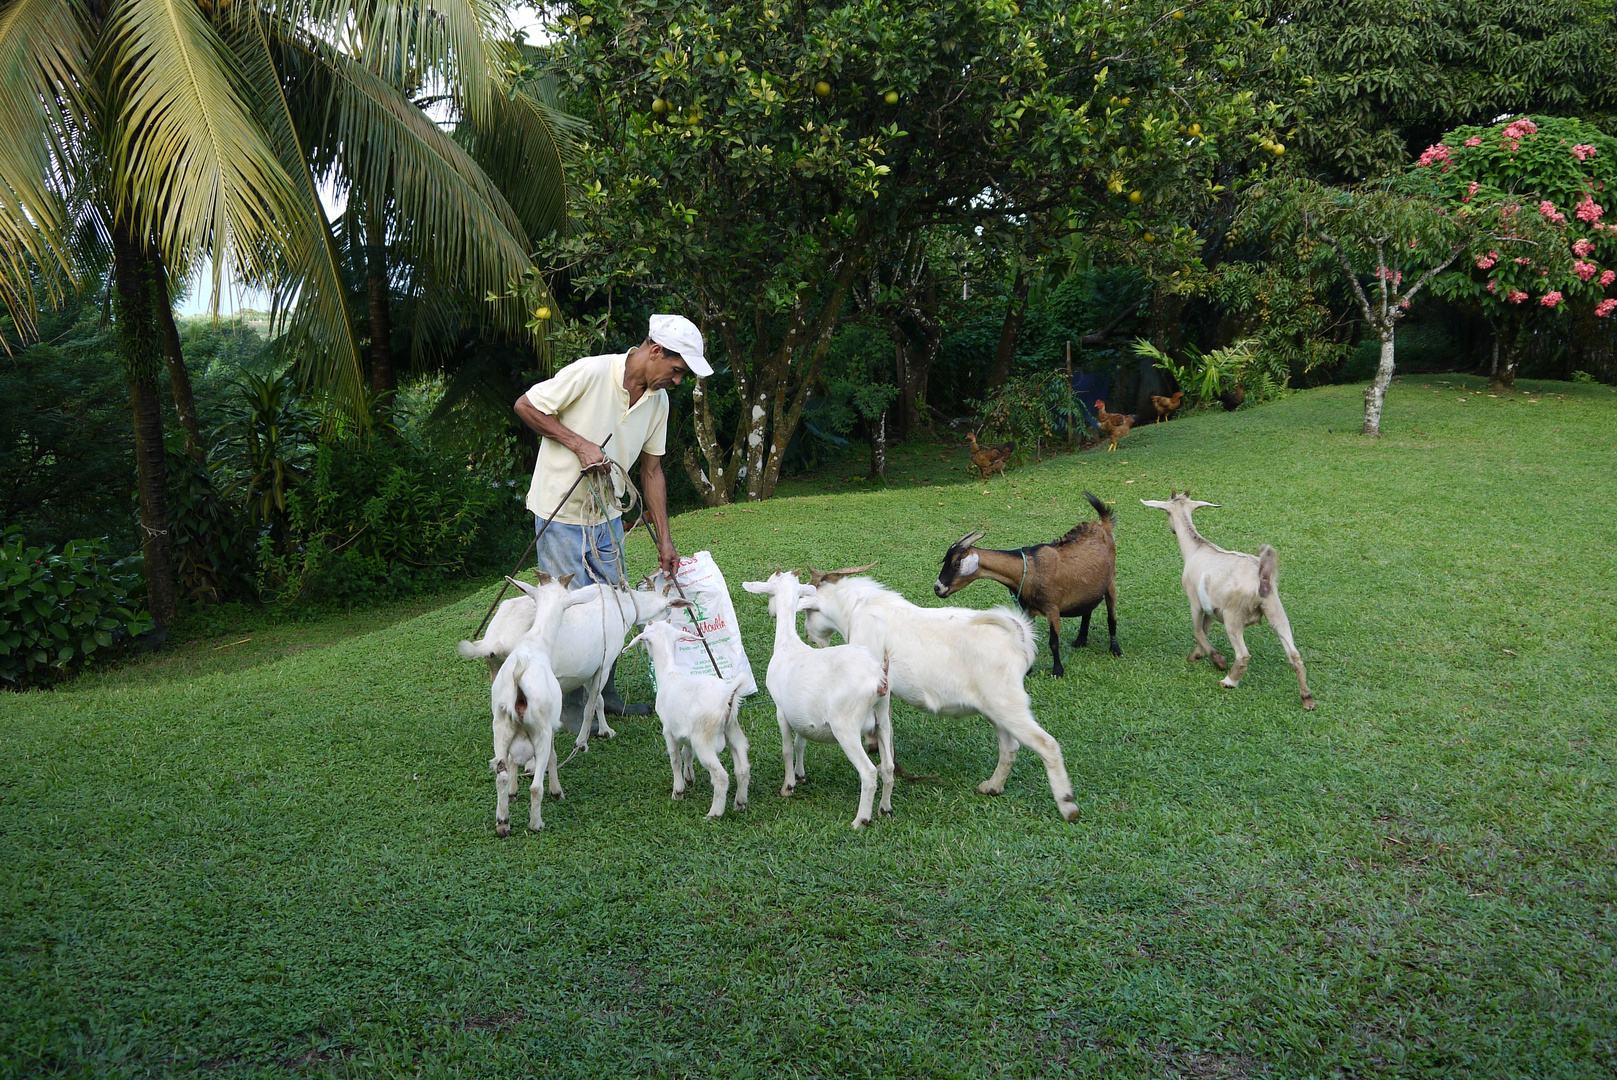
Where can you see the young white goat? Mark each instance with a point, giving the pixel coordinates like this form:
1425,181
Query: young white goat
527,703
1240,589
587,644
700,714
826,695
948,661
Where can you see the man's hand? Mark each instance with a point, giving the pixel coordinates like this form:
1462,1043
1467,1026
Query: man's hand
667,557
590,456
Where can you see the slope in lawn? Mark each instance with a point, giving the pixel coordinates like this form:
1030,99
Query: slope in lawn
290,865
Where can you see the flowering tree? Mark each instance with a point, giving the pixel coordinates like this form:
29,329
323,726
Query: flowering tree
1553,252
1389,243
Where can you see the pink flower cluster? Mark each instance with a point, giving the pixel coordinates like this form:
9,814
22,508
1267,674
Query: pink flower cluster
1588,211
1433,154
1515,296
1523,260
1583,151
1493,286
1488,260
1549,211
1584,270
1607,277
1515,131
1582,247
1551,298
1396,277
1605,307
1475,140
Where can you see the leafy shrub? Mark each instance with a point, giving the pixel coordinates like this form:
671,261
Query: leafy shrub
1032,409
59,610
1205,377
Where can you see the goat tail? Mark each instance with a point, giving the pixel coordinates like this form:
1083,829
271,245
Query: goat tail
1102,511
1268,569
732,709
879,626
472,650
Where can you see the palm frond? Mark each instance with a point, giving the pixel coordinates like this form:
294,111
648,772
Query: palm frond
311,295
446,210
525,147
190,163
44,94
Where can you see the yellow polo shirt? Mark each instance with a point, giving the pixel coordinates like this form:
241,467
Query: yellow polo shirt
588,397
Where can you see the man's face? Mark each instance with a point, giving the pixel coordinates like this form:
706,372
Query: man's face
664,369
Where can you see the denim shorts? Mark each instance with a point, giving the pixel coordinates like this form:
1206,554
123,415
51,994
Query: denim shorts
565,549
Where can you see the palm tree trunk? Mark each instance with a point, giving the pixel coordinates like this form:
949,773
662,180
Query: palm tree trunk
179,379
142,351
381,316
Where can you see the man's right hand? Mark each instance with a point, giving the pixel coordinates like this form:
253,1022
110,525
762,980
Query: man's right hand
590,456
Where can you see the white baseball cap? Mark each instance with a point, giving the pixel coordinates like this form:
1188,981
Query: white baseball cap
678,334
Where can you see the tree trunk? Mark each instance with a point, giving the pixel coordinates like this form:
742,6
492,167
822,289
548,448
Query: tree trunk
179,379
381,317
1506,359
915,368
1376,393
141,345
878,447
1010,330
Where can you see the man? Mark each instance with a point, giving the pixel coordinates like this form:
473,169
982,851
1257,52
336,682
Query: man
623,395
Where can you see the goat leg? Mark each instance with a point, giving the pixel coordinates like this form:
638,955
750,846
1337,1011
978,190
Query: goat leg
1277,618
1082,640
1055,644
1111,617
1237,635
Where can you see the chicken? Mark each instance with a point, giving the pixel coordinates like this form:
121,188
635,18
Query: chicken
1232,398
1113,426
1167,406
989,459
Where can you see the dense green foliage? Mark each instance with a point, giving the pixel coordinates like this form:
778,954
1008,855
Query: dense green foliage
61,610
296,870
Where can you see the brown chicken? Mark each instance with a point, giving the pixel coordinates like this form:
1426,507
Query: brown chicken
989,459
1167,406
1113,426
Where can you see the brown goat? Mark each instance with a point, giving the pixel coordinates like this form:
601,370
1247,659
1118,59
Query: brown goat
1068,578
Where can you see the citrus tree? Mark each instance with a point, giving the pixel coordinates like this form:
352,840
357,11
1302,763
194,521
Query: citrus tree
1554,251
748,162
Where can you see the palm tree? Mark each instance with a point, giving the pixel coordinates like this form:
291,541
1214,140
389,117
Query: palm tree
173,132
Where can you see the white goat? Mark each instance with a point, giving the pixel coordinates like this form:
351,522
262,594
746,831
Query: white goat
948,661
527,703
700,714
587,644
1238,588
826,695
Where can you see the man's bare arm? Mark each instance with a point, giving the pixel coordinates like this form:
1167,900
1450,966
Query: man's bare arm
589,454
654,488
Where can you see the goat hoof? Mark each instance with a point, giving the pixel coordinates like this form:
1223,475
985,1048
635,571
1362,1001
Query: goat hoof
1069,811
502,828
1080,643
1226,684
887,810
1308,703
536,828
1195,655
1116,650
679,796
741,805
786,792
987,788
714,815
1220,663
860,822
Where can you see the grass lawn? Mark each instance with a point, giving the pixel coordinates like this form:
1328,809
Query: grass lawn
278,857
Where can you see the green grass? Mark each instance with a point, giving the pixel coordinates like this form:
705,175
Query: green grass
228,862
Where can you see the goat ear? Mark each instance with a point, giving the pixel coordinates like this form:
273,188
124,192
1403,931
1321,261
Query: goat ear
807,590
527,589
681,604
1155,504
808,603
758,587
968,565
632,642
1197,504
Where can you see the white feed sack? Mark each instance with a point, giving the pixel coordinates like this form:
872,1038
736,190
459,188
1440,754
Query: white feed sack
704,587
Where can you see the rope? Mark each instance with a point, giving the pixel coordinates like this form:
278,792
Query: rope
1023,553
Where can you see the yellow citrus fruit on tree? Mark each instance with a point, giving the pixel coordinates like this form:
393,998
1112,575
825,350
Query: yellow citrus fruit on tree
659,106
1136,198
891,97
1195,130
822,89
541,313
1278,148
1149,237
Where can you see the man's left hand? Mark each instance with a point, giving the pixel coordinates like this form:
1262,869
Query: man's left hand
667,557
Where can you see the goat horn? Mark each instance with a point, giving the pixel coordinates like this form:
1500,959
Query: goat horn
970,538
817,576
